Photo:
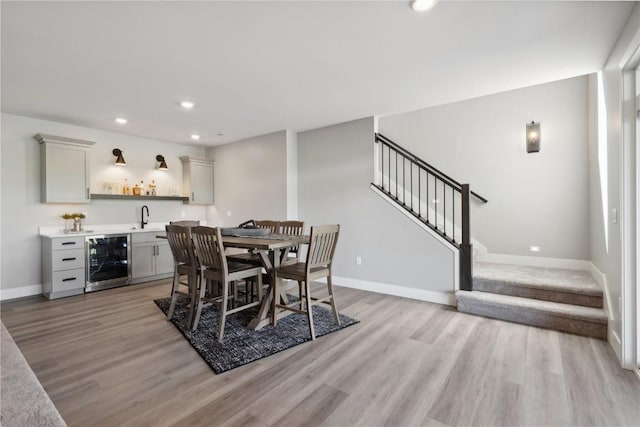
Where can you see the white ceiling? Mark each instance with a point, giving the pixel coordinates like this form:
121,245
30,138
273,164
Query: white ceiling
258,67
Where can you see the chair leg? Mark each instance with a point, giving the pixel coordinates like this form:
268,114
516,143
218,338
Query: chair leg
301,294
274,302
223,309
307,294
336,316
193,289
174,293
197,296
259,285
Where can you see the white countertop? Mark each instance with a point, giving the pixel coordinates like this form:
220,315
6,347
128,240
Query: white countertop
94,230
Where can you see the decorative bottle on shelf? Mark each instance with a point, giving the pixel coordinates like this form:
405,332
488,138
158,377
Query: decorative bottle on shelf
152,188
126,190
142,191
136,190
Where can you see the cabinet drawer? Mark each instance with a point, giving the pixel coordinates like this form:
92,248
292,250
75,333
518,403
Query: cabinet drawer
67,243
67,260
68,279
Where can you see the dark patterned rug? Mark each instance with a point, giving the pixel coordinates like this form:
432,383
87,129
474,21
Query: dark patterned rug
241,345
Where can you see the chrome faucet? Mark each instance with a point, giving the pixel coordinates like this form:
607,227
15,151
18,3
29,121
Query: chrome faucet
143,222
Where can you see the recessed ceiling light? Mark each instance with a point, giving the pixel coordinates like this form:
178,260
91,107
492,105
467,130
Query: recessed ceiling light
121,120
219,134
422,5
195,136
187,105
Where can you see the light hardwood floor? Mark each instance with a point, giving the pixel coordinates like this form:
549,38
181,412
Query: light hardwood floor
110,359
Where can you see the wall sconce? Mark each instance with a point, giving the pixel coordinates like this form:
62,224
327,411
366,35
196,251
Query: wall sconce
119,160
163,164
533,137
422,5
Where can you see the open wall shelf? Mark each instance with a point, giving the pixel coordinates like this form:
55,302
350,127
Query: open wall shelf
125,197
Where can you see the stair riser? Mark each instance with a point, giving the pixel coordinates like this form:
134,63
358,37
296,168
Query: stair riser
534,318
505,288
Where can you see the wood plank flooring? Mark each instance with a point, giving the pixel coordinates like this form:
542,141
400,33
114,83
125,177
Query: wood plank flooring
111,359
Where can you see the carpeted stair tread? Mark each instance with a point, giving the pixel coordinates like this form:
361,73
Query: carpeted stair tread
575,319
552,279
559,309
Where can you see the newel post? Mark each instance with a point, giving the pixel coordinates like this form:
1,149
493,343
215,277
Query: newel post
466,282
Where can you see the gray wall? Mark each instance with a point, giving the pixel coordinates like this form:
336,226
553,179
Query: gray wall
250,180
335,169
536,199
22,213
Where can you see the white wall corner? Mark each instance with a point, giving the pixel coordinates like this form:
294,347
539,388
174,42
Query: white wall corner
292,174
23,291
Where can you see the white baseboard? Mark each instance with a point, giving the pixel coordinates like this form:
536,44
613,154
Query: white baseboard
601,280
23,291
533,261
400,291
614,341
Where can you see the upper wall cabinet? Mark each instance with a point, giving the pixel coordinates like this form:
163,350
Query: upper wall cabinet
64,169
197,181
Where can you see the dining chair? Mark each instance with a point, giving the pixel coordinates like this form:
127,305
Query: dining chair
273,226
214,266
291,228
185,263
322,246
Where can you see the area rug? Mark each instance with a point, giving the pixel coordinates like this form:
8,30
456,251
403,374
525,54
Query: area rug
242,345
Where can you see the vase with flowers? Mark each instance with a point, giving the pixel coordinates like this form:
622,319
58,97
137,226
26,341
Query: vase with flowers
77,221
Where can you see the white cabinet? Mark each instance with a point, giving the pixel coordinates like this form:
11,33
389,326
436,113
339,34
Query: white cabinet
151,258
197,180
63,266
64,169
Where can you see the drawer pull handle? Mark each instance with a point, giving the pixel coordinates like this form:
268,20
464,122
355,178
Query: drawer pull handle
69,259
68,243
69,279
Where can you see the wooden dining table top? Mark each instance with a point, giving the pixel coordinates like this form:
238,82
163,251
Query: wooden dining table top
268,242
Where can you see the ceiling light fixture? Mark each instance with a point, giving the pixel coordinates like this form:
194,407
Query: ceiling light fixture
121,120
187,105
163,164
195,136
422,5
119,159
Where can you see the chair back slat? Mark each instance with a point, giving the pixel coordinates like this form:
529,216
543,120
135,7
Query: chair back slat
179,238
322,245
267,223
292,228
209,248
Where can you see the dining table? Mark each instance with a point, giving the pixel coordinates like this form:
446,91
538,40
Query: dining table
271,248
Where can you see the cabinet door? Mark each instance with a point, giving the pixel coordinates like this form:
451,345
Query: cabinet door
142,260
164,258
202,183
64,171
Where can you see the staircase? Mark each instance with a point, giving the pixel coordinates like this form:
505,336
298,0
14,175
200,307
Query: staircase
563,300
